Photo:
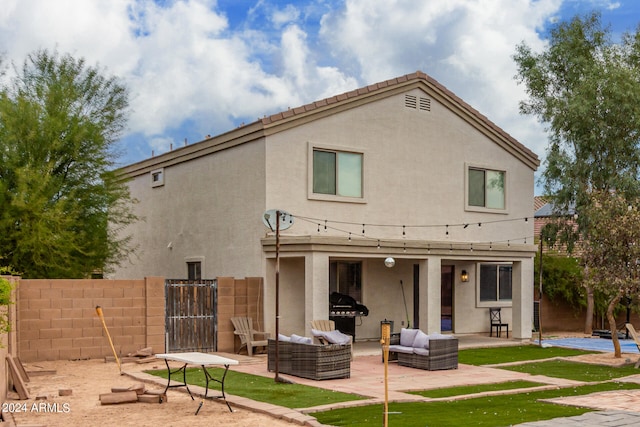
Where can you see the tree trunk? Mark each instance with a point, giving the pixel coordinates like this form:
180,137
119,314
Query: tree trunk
612,325
588,321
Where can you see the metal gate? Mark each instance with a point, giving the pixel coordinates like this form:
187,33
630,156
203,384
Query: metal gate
191,315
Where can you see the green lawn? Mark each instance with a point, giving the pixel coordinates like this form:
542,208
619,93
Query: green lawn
473,389
573,370
497,355
504,410
265,389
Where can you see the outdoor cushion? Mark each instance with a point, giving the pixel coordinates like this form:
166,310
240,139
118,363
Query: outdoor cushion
401,349
421,340
407,336
301,340
421,351
283,338
334,337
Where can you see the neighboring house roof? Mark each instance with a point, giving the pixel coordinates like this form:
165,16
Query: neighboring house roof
295,116
548,210
538,202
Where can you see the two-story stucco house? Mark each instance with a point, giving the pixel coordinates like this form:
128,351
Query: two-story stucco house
402,169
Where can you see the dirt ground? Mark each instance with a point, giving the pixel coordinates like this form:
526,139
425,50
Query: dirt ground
87,379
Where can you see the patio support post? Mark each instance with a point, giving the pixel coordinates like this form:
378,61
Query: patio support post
429,311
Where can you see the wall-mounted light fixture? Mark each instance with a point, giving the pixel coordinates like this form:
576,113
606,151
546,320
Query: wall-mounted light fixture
464,276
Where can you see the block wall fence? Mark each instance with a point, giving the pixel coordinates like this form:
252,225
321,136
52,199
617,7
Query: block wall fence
57,319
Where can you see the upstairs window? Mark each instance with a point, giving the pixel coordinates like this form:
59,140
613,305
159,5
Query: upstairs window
486,188
337,173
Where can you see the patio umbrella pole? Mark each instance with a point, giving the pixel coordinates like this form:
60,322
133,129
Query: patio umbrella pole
277,377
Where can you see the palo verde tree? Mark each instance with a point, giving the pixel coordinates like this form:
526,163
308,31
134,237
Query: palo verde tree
61,204
586,88
612,253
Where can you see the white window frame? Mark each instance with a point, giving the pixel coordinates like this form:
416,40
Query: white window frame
334,197
468,207
498,302
157,177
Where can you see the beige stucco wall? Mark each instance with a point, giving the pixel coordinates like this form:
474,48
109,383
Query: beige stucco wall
414,173
209,210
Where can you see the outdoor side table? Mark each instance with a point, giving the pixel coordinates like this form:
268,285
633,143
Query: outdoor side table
202,359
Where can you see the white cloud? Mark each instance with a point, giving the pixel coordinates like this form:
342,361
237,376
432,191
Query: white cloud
465,45
284,16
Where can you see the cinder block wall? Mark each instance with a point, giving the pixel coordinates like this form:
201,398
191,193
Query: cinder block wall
57,319
238,297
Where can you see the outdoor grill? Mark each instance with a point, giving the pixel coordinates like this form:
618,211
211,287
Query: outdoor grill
344,310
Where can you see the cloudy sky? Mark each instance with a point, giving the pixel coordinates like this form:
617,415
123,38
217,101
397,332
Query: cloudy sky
198,67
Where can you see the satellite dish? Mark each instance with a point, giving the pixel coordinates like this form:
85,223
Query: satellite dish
269,219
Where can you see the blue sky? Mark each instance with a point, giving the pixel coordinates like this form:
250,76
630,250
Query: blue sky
203,67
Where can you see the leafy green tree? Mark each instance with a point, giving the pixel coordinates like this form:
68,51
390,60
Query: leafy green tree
586,89
560,274
62,206
612,253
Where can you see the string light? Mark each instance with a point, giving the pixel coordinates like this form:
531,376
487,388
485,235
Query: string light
404,232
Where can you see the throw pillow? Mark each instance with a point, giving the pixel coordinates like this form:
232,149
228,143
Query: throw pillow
421,340
407,336
283,338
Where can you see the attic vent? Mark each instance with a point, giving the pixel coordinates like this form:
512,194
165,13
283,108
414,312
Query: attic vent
425,104
410,101
415,103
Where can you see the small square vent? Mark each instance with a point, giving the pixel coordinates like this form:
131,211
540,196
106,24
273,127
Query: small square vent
415,103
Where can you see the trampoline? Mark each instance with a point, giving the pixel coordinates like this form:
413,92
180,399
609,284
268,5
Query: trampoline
595,344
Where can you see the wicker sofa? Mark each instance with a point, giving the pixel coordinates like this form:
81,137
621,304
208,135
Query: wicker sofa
419,350
313,361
